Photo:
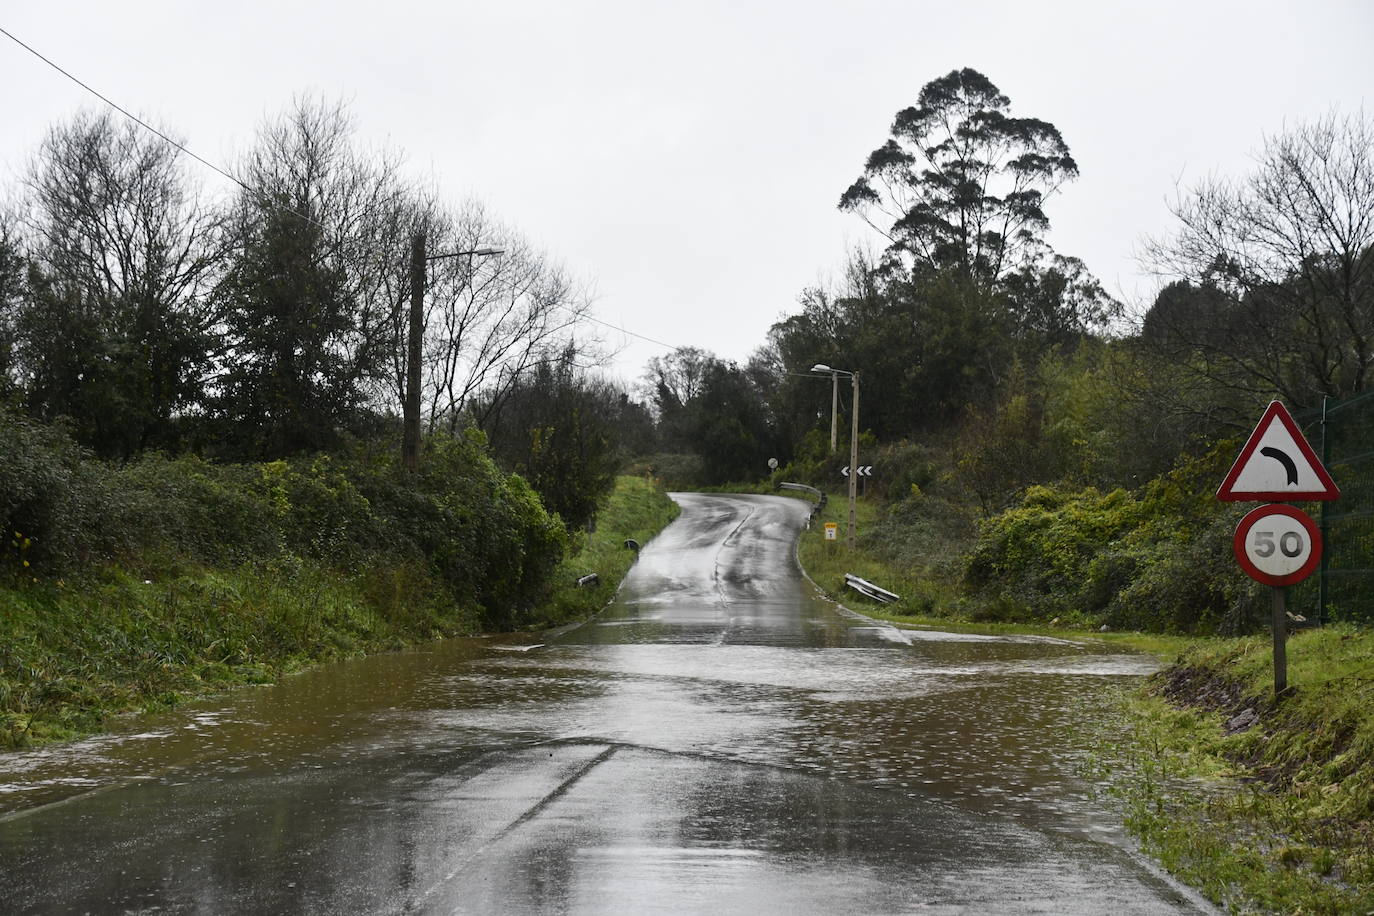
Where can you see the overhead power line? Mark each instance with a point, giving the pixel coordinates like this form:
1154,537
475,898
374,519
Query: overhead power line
151,129
615,327
124,111
242,184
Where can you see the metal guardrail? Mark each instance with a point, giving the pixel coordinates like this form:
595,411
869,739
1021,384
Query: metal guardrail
803,488
869,590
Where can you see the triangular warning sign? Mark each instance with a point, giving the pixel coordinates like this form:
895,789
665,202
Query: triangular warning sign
1277,465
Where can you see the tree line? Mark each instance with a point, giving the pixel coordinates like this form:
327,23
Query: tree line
144,313
968,329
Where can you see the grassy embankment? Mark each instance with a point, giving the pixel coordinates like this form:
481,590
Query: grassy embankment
75,651
1274,817
637,509
927,586
1265,806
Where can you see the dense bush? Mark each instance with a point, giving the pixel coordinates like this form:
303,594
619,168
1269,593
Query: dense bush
1157,560
51,499
482,535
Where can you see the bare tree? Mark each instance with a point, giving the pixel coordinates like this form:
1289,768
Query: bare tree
672,381
1277,269
123,245
489,321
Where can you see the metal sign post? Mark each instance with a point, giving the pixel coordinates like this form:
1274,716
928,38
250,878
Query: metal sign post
1277,544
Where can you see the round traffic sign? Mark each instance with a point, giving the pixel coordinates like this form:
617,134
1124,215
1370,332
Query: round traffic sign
1278,545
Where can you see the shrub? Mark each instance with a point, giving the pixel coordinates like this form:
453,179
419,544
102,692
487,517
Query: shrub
483,537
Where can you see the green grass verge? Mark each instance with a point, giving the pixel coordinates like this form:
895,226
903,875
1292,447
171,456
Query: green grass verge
637,509
1273,817
74,653
928,597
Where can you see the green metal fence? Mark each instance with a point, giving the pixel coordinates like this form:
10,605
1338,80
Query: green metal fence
1343,589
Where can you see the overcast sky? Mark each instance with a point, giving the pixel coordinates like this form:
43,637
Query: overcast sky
686,158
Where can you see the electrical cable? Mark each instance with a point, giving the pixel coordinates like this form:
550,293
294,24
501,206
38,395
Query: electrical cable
244,185
150,128
614,327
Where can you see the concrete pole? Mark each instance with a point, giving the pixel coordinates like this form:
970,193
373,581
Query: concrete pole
853,460
834,409
410,410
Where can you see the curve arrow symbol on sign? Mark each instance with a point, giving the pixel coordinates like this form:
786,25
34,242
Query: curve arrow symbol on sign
1277,465
1290,467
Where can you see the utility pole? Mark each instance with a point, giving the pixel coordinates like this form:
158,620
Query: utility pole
410,435
834,409
853,460
415,340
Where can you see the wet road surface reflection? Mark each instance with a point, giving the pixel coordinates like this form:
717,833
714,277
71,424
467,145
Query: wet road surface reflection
718,740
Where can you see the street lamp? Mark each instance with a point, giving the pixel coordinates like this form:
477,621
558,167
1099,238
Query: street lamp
834,400
822,369
410,407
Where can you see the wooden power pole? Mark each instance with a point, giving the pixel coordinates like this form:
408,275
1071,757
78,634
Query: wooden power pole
410,410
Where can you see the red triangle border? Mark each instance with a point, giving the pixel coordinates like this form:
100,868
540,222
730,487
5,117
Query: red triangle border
1225,492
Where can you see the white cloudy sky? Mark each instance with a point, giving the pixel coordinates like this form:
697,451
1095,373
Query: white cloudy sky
686,158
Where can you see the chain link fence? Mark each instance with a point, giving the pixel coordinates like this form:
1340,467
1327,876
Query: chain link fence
1343,588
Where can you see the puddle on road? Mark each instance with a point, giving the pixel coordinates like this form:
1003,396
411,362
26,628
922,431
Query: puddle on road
986,722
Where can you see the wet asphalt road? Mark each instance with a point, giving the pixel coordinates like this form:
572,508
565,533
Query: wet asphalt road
717,741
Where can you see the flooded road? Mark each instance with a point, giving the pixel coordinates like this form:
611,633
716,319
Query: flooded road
718,740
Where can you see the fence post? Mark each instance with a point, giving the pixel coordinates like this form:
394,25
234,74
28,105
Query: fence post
1322,593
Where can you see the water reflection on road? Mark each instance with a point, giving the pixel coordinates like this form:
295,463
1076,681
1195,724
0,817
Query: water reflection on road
719,739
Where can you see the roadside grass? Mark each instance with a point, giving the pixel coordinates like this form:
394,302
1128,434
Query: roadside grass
929,594
1275,816
637,508
74,653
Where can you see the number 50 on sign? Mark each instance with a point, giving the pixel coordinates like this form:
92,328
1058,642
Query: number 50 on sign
1278,545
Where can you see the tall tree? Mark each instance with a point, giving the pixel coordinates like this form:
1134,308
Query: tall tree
558,427
728,425
1281,263
117,334
489,322
317,278
13,274
672,382
960,184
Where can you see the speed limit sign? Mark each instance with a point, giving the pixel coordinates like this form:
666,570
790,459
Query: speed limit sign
1278,545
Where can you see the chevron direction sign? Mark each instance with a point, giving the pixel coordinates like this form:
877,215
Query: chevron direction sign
865,470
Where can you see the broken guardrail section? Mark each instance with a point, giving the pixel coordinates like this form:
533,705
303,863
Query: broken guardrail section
868,589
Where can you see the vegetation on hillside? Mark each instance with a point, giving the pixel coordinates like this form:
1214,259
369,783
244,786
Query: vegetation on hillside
199,402
210,576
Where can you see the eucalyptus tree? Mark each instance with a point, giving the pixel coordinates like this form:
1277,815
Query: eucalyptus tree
117,328
960,184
